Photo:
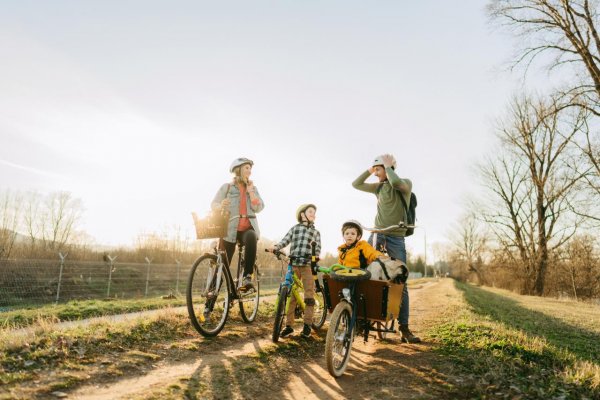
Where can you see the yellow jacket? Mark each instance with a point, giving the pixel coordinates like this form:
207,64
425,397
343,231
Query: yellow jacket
350,256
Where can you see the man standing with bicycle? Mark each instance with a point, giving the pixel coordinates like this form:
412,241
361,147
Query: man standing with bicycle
391,210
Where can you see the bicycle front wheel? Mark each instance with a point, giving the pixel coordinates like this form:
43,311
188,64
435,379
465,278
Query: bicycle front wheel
339,339
279,313
249,299
207,295
320,310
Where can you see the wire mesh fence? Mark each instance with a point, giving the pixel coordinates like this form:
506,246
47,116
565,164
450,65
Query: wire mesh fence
25,282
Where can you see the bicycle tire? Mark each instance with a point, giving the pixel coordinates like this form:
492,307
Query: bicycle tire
199,300
279,313
320,311
350,275
249,300
338,343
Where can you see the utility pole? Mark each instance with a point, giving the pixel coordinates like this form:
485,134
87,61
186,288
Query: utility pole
425,256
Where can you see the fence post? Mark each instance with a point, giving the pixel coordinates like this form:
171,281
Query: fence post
177,284
147,275
62,264
110,271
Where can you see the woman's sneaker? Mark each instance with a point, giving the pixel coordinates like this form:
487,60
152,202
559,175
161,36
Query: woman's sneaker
287,331
305,331
246,284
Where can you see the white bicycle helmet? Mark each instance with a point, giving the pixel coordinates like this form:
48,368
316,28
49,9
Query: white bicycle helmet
352,223
238,162
379,161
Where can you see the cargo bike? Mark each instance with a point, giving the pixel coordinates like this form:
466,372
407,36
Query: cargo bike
359,306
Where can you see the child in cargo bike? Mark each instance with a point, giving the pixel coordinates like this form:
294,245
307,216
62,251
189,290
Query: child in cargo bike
356,253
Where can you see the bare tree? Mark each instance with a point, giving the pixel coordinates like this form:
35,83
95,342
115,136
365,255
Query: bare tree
9,222
564,30
531,182
567,32
51,220
469,241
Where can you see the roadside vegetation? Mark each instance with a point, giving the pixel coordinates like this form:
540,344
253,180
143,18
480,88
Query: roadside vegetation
51,360
81,309
502,345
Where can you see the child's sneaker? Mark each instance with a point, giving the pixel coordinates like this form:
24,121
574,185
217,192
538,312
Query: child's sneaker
287,331
305,331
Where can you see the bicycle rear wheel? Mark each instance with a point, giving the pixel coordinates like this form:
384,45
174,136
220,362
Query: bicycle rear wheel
339,339
249,299
279,313
207,295
320,310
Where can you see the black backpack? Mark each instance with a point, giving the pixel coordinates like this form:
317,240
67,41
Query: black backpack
411,212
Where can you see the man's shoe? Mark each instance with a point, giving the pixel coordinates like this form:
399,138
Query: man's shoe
246,284
305,331
408,336
287,331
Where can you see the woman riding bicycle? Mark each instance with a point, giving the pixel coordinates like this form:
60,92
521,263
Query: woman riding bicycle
242,201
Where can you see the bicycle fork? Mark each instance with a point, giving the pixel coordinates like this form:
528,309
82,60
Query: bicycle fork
213,284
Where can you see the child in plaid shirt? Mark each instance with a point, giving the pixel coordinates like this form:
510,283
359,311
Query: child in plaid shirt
300,236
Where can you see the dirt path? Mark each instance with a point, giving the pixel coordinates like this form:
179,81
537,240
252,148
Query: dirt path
382,369
378,369
166,372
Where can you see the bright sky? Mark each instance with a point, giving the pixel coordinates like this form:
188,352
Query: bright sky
139,107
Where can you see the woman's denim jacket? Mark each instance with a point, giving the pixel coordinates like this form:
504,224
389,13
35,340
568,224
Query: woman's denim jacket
234,209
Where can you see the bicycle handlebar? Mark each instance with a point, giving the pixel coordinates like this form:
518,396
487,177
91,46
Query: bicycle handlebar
389,228
280,255
326,270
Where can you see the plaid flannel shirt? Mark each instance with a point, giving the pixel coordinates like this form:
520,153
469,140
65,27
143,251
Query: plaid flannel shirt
300,236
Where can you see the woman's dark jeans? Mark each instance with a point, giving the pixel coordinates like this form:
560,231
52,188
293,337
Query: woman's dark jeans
249,240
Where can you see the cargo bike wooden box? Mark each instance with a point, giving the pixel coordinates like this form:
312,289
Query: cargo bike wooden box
358,306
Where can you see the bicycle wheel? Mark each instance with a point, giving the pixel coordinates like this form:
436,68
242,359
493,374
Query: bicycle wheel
279,313
351,275
388,326
320,310
249,299
339,339
207,295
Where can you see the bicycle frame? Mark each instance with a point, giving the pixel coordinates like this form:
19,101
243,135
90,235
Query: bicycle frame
295,286
222,266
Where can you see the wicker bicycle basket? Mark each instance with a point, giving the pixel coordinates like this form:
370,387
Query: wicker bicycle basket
213,226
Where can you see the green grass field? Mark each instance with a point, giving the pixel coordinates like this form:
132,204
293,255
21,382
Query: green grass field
508,346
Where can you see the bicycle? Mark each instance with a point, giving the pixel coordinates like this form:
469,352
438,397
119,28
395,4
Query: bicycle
292,286
212,291
359,305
